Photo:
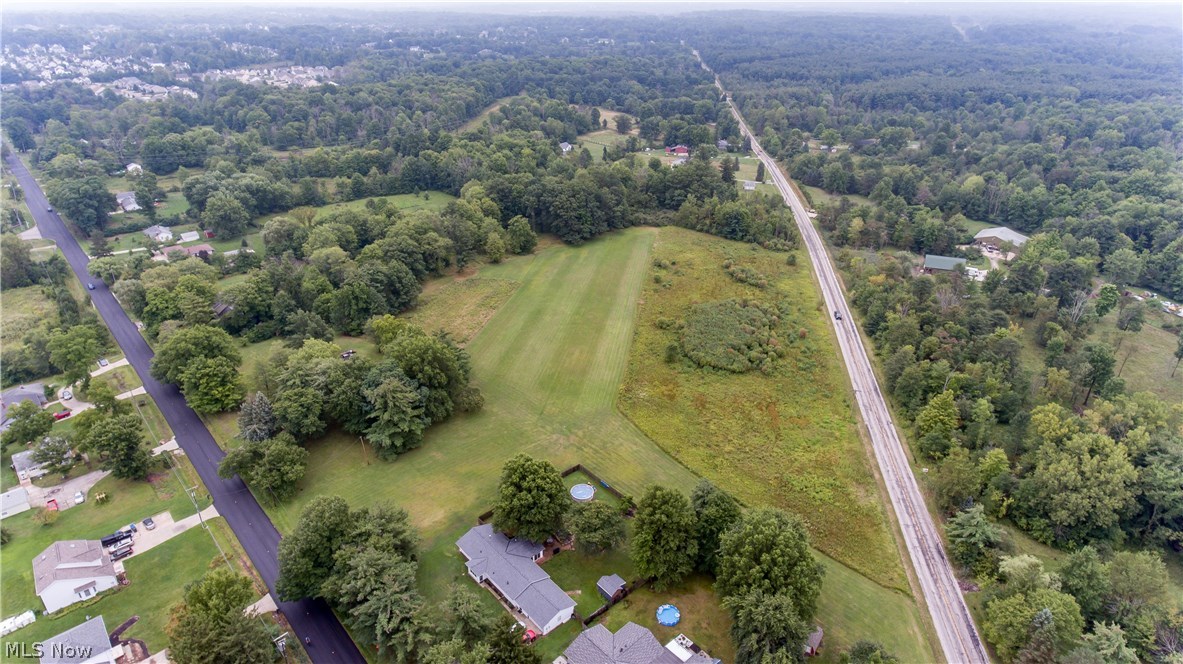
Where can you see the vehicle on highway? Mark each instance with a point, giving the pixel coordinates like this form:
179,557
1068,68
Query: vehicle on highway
837,315
79,498
89,285
61,415
149,524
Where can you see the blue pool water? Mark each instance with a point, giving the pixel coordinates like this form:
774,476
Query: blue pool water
668,615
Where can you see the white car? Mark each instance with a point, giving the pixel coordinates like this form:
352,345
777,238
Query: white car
67,395
79,498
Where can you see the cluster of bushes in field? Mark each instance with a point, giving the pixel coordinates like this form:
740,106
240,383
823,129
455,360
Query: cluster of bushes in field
736,335
745,275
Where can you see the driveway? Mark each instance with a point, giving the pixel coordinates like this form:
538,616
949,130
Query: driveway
113,365
166,529
64,492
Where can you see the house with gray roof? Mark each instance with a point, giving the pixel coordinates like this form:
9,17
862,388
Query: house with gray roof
127,201
71,571
159,233
26,468
632,644
34,392
87,643
565,147
996,236
508,567
934,263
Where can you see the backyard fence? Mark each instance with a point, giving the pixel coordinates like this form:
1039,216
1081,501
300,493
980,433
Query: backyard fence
628,589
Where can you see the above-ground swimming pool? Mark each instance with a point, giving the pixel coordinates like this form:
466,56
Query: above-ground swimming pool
583,492
668,615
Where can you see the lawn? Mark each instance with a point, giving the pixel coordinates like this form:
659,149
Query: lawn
596,141
461,306
120,379
703,620
433,201
577,573
788,439
550,362
158,579
479,120
129,501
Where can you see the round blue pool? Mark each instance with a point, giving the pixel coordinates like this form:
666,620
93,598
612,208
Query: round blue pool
583,492
668,615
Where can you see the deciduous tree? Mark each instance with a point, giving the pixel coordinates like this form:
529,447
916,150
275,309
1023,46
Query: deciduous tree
531,499
663,547
596,525
768,551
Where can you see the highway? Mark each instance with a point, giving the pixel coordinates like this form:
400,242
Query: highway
955,627
312,619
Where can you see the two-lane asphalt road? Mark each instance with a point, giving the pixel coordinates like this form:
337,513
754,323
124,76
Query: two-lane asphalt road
308,618
951,618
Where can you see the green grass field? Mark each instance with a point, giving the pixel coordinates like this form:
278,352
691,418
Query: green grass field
788,439
158,578
22,310
479,120
550,362
461,307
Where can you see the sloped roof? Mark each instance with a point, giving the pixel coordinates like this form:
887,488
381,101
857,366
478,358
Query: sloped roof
71,559
22,461
934,262
610,584
509,565
631,644
1003,233
90,637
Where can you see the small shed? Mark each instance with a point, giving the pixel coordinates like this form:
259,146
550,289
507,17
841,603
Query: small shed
813,644
565,147
611,587
749,185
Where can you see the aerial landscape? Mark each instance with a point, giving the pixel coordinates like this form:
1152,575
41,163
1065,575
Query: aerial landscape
740,333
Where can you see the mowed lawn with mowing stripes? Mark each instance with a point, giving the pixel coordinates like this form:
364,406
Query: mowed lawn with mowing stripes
551,362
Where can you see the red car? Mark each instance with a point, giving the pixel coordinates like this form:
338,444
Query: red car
61,415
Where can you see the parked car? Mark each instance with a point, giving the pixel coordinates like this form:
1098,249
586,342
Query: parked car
79,498
61,415
118,544
67,394
121,553
149,524
129,528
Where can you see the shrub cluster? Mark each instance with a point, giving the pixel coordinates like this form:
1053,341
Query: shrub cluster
745,275
736,335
